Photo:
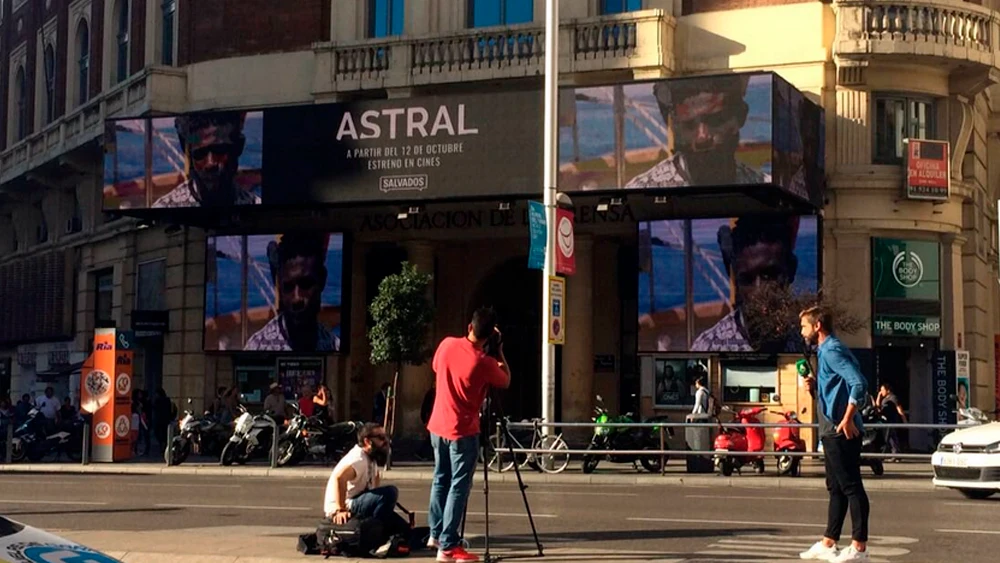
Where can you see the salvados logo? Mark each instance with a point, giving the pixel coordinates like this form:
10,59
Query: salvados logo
907,268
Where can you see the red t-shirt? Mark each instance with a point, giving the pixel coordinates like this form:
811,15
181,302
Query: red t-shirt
463,373
307,406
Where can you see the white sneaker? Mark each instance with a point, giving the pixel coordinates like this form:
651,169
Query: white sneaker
851,555
820,552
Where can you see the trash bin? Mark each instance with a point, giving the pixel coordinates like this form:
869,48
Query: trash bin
699,439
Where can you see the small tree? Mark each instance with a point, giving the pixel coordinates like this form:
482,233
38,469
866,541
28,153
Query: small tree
402,314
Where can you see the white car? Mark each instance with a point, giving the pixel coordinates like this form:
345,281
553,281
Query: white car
23,544
968,460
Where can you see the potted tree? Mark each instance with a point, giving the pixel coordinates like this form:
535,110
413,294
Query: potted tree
402,314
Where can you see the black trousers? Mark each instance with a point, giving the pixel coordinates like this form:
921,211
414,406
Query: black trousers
843,482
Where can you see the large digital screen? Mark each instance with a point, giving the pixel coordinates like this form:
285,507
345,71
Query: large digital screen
208,159
706,269
274,293
712,131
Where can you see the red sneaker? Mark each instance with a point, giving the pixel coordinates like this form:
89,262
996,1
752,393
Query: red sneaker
455,555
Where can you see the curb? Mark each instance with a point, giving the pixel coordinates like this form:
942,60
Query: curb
425,475
144,557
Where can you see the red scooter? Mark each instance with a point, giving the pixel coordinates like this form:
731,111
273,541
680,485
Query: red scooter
740,440
787,439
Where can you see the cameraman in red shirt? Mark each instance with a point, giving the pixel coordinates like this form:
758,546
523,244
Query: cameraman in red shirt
464,372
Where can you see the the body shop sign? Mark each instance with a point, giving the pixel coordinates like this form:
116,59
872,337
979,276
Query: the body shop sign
906,283
928,170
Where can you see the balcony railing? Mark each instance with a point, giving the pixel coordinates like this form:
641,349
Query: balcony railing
633,40
948,29
155,88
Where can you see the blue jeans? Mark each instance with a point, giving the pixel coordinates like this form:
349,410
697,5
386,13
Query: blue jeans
380,503
454,466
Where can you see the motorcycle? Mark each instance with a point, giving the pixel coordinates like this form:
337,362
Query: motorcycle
740,440
33,440
307,436
625,439
252,436
787,439
201,435
873,440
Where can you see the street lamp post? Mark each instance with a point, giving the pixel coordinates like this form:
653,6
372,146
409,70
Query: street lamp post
551,176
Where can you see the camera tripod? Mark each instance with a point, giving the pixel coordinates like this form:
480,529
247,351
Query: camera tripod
485,427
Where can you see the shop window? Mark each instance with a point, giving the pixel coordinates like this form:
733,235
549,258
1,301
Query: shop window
485,13
620,6
104,298
743,383
385,18
898,118
150,290
673,381
253,378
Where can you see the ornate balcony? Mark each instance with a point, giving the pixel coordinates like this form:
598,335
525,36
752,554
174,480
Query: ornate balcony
154,89
640,41
955,32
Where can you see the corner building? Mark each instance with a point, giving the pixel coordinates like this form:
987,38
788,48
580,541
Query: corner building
91,89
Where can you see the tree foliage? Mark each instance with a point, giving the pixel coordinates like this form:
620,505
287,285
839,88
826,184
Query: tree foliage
770,315
402,316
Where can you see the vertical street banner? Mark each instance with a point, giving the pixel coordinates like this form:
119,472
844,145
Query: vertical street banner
539,235
565,243
124,360
943,383
96,394
557,303
928,170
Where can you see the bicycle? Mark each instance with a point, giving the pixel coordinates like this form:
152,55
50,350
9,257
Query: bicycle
553,462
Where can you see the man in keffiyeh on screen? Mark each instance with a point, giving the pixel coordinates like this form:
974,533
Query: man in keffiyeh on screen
301,277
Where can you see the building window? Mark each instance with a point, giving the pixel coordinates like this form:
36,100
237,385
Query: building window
42,230
75,223
898,118
385,18
50,84
484,13
83,63
620,6
749,383
123,41
21,91
104,298
169,15
151,281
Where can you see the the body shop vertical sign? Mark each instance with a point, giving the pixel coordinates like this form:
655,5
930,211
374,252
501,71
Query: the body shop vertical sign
943,386
928,170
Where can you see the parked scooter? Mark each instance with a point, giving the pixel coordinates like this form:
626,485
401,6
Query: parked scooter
306,437
738,439
33,439
252,436
201,435
787,439
618,438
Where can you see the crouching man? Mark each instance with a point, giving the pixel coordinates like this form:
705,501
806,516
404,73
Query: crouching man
355,488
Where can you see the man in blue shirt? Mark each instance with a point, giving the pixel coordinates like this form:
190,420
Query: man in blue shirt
842,389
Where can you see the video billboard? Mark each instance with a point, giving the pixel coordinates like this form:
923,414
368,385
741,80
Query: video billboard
207,159
725,260
274,293
712,131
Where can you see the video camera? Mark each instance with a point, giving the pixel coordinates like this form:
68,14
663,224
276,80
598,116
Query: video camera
492,345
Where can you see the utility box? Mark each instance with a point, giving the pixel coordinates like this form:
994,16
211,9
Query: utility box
699,439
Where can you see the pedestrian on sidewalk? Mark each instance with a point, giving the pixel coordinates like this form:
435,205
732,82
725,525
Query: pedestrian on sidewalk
842,388
464,373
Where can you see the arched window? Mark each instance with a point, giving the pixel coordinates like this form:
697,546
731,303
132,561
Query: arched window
123,40
21,91
50,83
169,15
83,62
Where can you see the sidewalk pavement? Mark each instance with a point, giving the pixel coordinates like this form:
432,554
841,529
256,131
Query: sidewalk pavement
258,544
899,476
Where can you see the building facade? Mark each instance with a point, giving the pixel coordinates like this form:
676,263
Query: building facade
884,71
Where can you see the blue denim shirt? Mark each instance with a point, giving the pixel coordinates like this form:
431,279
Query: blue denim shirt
839,383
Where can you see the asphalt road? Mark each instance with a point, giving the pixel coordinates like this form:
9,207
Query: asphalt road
659,522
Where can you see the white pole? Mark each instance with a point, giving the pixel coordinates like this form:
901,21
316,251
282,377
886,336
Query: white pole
551,172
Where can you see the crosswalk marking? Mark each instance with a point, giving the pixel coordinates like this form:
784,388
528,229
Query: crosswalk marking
785,549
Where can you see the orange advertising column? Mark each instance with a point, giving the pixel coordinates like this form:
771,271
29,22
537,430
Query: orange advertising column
96,394
124,356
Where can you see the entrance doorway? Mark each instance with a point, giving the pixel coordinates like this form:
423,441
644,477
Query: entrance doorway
906,366
515,293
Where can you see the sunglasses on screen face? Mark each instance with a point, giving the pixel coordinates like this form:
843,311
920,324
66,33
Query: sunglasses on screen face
218,151
307,283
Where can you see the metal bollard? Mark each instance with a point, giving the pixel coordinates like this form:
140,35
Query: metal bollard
274,444
171,434
8,454
85,454
663,447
